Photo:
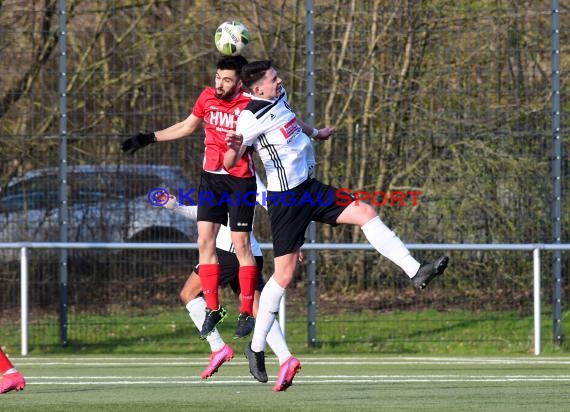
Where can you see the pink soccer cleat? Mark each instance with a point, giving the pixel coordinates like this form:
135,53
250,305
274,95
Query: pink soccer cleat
217,359
12,381
287,372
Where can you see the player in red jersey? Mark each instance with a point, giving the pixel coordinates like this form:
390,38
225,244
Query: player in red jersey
217,109
10,378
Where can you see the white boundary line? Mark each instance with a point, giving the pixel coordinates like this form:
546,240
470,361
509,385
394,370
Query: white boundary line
330,358
355,377
200,361
298,380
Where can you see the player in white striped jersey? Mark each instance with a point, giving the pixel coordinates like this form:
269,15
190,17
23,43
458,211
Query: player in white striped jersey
294,199
193,300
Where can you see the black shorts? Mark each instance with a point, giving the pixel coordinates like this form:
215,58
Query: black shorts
220,196
292,211
229,268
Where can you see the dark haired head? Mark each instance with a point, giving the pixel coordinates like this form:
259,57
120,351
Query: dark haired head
232,63
254,71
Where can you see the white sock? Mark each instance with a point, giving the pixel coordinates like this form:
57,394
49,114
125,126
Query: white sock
277,343
197,310
268,307
389,245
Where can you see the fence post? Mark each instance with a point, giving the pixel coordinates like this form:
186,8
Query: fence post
63,211
536,283
24,300
556,202
311,231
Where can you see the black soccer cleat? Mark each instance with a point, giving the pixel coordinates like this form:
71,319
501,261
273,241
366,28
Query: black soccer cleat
428,271
256,363
213,317
245,325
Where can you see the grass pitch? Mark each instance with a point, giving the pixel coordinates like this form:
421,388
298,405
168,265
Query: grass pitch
325,383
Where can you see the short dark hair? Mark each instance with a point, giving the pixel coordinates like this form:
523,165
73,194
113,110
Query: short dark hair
254,71
232,63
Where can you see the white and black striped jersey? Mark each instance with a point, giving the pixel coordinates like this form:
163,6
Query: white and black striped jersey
271,127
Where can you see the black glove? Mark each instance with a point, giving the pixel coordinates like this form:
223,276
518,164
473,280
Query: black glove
138,141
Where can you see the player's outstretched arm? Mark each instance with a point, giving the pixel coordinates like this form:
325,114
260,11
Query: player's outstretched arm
180,129
176,131
191,212
314,133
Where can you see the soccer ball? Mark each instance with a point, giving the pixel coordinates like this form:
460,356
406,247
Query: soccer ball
231,38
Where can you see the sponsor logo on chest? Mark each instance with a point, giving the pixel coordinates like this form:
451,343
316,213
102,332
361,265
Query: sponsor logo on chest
290,129
224,119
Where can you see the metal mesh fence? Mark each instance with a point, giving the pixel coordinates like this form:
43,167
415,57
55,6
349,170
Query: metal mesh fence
450,99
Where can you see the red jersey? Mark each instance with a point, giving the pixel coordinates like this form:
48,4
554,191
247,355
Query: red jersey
220,116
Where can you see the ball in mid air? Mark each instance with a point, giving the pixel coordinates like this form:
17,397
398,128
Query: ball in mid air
231,38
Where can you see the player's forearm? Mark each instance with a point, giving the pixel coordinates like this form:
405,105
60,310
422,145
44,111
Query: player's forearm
231,158
173,132
191,212
178,130
307,129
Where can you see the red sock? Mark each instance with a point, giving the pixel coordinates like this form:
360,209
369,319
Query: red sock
210,280
5,363
247,281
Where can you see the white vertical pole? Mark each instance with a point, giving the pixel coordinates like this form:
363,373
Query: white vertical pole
282,316
536,272
24,299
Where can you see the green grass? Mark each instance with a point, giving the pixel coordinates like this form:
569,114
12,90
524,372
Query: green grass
325,383
424,333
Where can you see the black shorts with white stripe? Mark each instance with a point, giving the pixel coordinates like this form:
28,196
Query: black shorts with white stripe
292,211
